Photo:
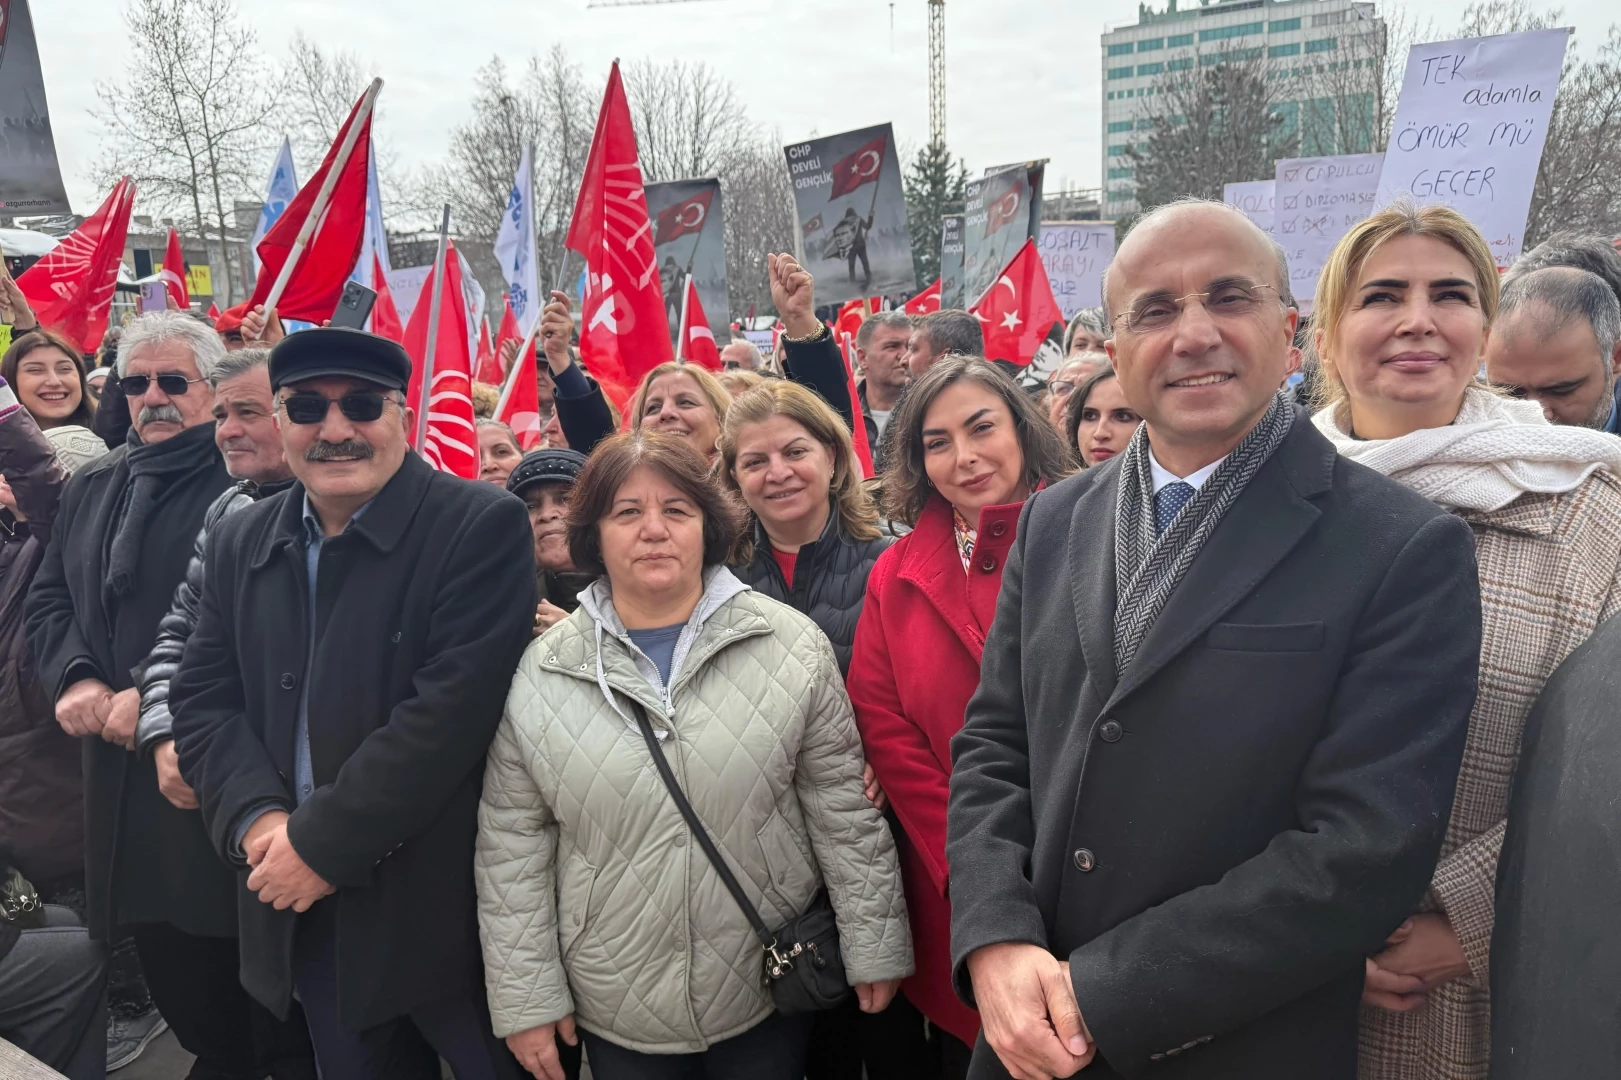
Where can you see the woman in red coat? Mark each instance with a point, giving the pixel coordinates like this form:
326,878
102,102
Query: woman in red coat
968,447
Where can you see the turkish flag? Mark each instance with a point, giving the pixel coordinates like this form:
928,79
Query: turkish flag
520,403
1018,311
174,272
861,167
856,312
697,339
452,441
385,317
926,302
486,368
683,218
625,331
71,288
1003,210
317,281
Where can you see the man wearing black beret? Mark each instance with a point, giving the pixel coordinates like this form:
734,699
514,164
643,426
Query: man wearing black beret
356,638
543,480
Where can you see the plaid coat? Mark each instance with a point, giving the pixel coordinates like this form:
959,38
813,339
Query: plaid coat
1548,577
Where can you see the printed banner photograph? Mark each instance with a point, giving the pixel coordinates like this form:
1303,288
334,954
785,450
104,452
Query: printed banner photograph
1076,253
1470,126
1255,199
1318,199
951,281
689,241
1002,210
852,214
30,180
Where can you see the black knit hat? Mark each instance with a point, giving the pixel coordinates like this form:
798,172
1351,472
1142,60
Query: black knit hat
550,466
339,350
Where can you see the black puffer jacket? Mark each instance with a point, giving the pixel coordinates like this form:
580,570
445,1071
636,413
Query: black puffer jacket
830,580
153,675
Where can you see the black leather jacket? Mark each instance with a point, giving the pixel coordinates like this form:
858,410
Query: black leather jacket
153,675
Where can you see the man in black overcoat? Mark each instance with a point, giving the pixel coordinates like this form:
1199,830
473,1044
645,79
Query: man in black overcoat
1221,709
356,639
118,548
1555,951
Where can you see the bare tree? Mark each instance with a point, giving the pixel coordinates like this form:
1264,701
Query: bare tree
1219,122
1579,182
760,218
186,117
689,123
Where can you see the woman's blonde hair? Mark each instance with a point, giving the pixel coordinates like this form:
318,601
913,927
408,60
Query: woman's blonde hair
857,513
1336,285
738,383
719,399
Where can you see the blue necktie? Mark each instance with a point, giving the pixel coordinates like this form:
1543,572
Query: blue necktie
1167,501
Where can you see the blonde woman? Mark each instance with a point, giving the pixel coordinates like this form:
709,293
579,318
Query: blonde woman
1404,307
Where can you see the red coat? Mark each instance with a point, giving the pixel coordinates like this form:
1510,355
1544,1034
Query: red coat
915,665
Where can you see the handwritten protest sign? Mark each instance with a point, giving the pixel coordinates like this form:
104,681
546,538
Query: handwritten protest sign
1076,254
1253,198
1318,199
1470,126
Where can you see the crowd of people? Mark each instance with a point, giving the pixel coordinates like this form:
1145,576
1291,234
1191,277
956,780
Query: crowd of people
1162,719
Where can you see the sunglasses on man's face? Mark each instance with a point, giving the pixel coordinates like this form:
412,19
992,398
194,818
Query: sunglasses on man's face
361,406
169,382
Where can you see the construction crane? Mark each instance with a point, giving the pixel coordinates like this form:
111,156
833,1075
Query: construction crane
937,56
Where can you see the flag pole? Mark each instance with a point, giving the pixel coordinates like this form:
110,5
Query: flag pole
435,302
312,220
534,331
681,327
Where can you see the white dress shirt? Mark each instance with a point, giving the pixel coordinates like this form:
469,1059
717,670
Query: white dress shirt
1163,476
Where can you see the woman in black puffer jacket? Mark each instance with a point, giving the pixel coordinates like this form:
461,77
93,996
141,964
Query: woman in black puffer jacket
815,533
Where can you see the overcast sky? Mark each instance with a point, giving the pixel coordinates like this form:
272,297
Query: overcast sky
1024,76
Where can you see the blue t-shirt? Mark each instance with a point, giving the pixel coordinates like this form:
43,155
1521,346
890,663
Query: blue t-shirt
659,645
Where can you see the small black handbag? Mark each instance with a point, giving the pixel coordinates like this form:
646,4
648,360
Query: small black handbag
803,964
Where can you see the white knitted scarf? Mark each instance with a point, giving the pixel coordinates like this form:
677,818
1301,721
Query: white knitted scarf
1495,451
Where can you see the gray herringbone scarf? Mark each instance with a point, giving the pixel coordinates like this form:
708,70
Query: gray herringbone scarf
1147,568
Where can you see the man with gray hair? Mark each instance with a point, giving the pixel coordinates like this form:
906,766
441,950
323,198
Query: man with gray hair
118,549
942,332
1562,375
881,355
741,355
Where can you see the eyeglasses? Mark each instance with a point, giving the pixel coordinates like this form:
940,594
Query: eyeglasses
1224,301
169,382
361,406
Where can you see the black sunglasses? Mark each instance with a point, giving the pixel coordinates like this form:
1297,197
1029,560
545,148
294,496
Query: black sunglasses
170,383
361,406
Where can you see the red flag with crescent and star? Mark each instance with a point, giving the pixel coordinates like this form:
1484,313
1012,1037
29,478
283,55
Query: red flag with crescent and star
684,218
624,329
926,302
697,339
861,167
1018,311
1002,211
174,272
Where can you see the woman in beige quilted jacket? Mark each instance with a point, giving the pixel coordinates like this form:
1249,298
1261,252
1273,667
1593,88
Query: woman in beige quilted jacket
1404,307
599,913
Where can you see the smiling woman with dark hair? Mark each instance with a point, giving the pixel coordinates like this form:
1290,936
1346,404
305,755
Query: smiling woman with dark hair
594,891
968,448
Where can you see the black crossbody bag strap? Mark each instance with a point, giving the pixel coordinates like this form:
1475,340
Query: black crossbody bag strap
700,833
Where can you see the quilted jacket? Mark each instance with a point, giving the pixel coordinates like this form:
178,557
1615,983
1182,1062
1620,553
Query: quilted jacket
593,899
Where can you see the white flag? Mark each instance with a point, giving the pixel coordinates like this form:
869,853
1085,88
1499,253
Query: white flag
279,192
374,240
515,248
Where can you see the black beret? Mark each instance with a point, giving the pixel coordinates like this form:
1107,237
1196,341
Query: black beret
545,466
338,350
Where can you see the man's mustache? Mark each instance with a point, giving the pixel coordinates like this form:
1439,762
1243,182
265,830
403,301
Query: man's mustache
348,448
157,414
